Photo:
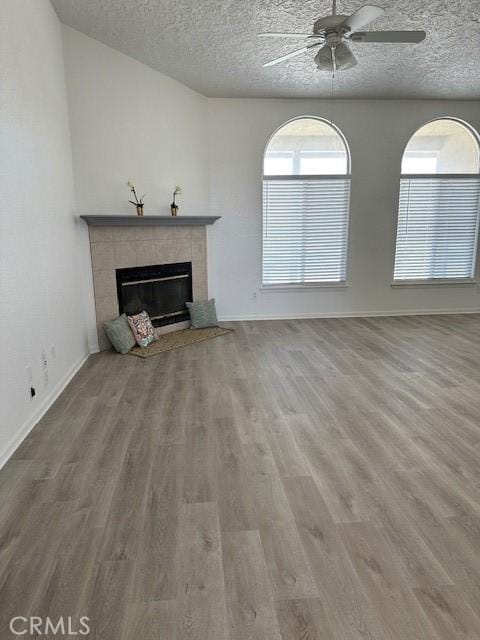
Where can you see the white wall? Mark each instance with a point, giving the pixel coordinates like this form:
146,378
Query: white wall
131,122
42,246
377,132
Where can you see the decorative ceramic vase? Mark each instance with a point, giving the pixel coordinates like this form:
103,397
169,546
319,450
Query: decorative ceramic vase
139,209
174,209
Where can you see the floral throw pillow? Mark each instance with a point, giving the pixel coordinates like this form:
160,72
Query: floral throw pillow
142,329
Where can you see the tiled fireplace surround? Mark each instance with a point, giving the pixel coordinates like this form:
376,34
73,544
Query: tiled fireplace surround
134,246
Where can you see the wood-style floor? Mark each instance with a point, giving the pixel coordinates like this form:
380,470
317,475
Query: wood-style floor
294,480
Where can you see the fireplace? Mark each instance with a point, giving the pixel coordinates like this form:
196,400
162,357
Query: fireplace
162,290
121,243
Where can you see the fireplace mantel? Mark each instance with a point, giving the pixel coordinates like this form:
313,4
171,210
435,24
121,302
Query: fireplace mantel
149,221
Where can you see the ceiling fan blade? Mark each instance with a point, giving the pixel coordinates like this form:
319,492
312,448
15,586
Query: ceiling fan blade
273,34
292,54
362,17
388,36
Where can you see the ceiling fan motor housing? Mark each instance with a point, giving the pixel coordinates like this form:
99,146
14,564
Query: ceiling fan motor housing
333,38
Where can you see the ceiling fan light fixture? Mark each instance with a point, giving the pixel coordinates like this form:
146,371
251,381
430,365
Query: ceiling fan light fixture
344,58
324,58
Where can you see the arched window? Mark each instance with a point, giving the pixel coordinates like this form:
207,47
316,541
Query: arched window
306,192
439,203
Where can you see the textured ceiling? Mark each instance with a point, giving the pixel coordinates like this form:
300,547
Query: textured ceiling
211,45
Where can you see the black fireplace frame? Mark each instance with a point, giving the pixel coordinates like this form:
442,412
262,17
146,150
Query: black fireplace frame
151,272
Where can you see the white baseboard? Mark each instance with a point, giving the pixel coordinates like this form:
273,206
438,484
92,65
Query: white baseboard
23,432
346,314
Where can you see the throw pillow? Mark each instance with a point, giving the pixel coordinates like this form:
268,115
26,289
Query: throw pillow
202,314
119,333
142,328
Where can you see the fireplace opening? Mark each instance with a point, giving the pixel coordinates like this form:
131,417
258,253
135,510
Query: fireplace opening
162,290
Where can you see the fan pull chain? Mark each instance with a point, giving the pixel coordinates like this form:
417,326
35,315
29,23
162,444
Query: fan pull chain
331,98
334,68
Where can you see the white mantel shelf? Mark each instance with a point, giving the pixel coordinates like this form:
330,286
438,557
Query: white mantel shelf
149,221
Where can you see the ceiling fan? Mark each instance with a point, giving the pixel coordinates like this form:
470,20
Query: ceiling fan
334,31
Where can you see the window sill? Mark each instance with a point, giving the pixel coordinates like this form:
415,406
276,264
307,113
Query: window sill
303,287
435,282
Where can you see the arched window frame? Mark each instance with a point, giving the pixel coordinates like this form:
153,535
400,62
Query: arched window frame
467,185
337,180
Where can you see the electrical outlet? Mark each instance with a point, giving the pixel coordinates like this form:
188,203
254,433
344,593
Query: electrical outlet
53,352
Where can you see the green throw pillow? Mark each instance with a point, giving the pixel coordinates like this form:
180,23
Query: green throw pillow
202,314
119,333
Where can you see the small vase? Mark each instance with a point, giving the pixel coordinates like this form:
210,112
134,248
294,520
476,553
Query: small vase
174,209
139,209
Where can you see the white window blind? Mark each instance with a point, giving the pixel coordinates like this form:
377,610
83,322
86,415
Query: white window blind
437,227
305,227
